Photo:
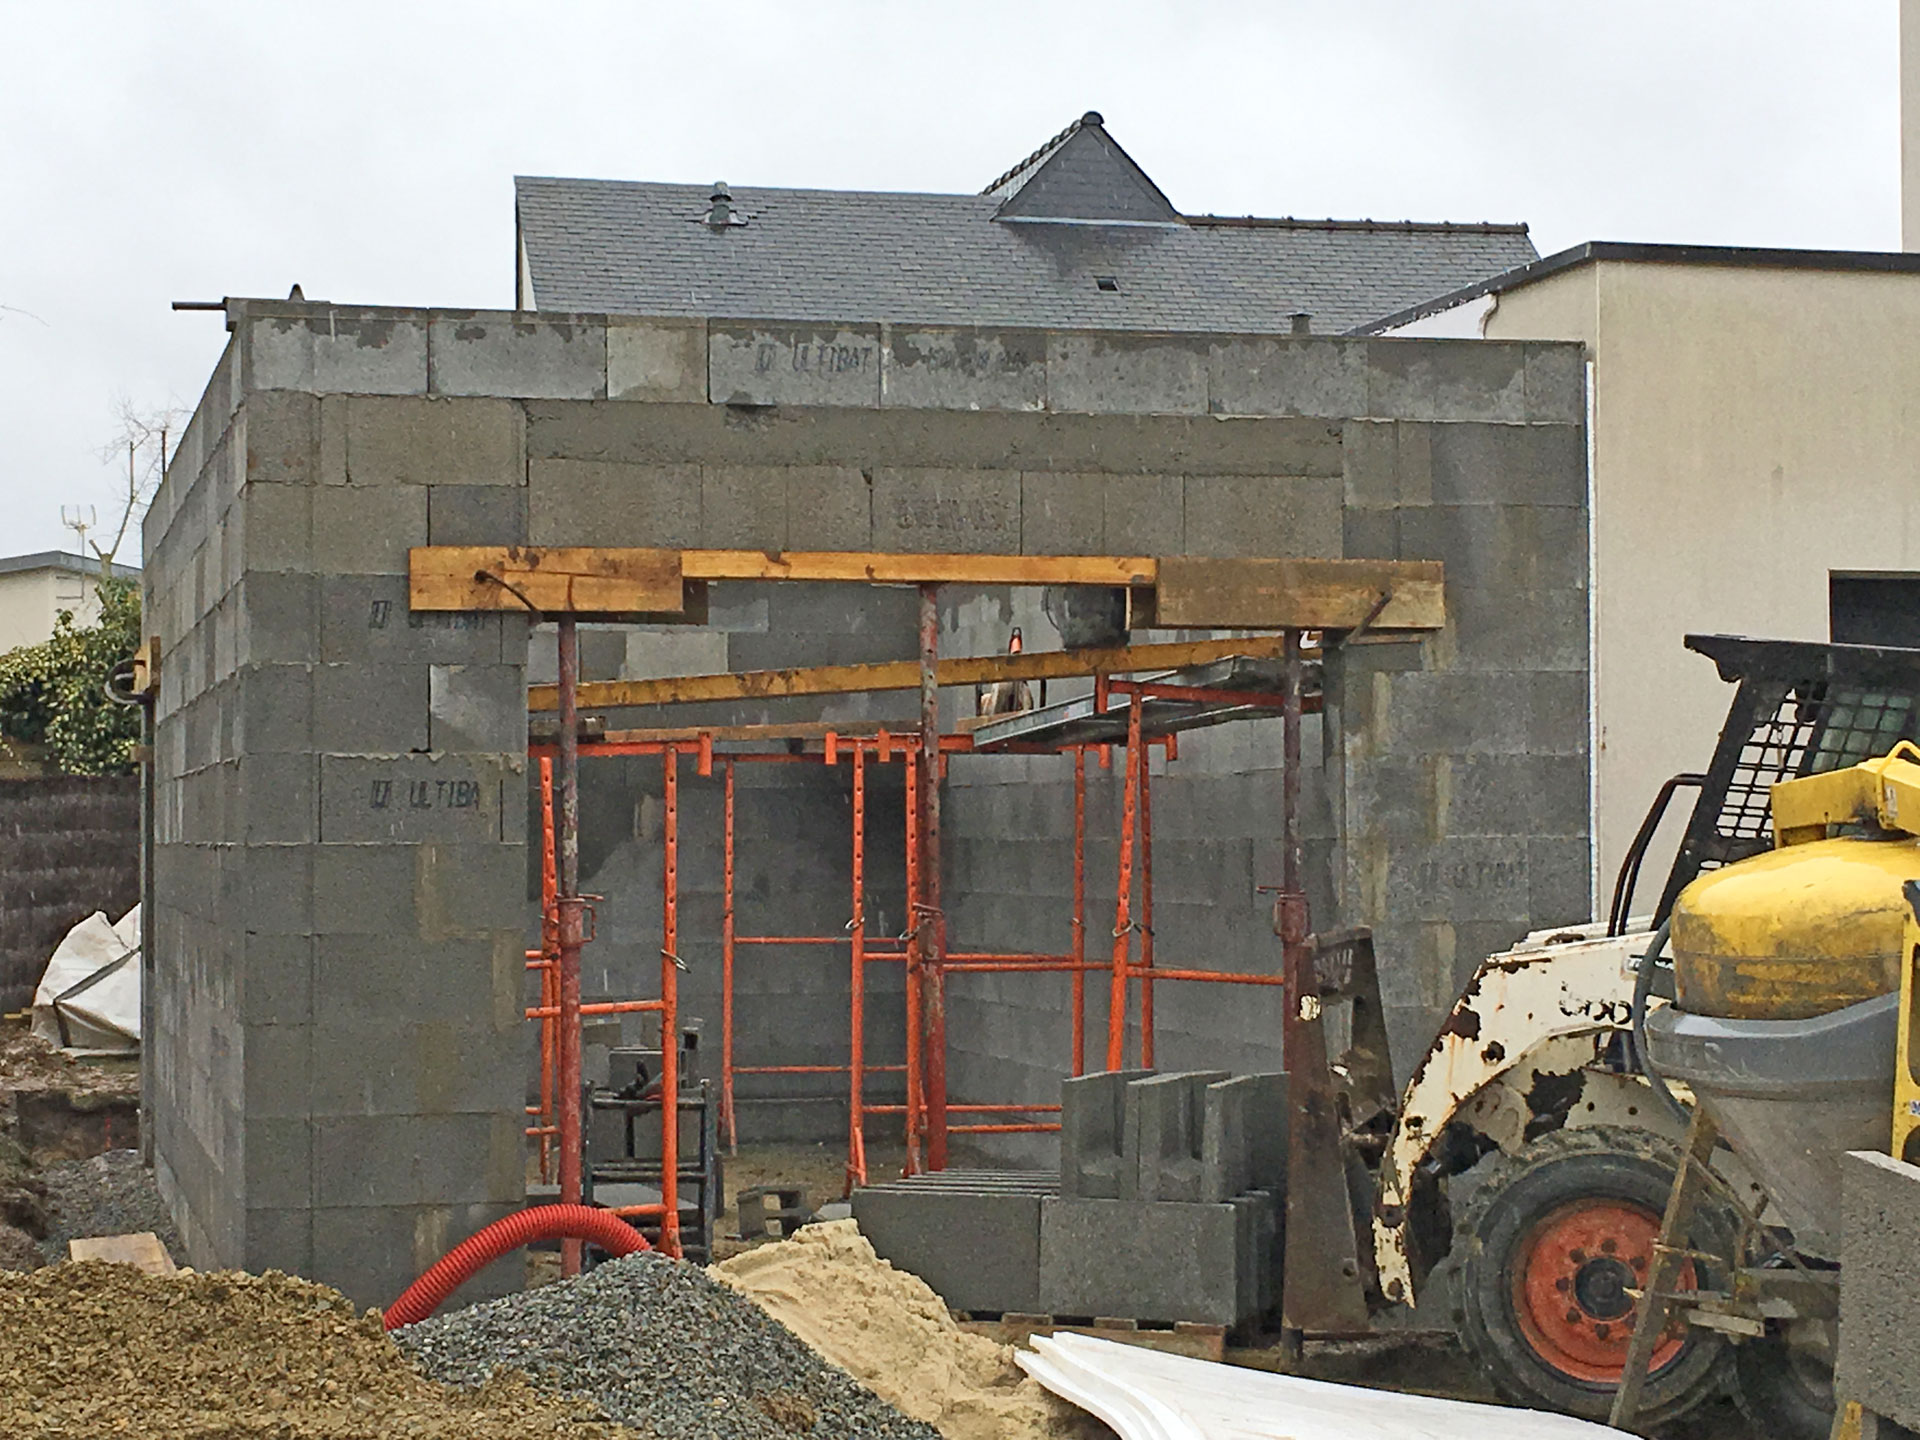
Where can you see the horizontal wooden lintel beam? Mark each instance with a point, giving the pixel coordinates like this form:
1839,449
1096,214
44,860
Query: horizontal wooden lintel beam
905,674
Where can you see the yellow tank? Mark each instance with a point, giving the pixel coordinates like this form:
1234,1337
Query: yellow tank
1796,932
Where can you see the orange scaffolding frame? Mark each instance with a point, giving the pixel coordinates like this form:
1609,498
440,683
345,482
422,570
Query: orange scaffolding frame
927,1113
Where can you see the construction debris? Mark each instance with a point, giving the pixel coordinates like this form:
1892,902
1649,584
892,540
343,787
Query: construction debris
93,1349
890,1331
658,1345
110,1194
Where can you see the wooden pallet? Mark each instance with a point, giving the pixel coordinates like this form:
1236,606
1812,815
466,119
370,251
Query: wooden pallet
1183,1337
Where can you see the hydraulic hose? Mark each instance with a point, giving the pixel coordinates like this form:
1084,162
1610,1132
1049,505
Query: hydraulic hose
543,1222
1642,988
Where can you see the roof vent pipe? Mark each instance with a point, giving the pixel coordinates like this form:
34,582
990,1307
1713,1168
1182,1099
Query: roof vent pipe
1302,322
720,208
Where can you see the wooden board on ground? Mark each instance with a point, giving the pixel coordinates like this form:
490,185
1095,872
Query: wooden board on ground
882,567
142,1250
581,580
1203,594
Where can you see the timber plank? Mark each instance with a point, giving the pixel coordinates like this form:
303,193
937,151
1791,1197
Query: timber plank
1308,594
905,674
142,1250
583,579
917,569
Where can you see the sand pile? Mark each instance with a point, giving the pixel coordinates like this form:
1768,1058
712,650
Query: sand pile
90,1350
890,1331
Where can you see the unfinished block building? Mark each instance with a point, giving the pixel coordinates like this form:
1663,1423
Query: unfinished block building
338,1055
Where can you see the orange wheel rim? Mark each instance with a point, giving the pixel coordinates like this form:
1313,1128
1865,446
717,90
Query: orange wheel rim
1570,1287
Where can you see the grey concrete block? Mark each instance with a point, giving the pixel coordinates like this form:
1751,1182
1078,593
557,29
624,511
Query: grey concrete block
1461,881
1093,1132
370,709
1262,375
1061,514
367,618
375,978
364,890
344,354
1559,880
1370,535
828,508
279,1239
1144,515
1231,515
1879,1360
276,979
469,890
1509,464
1267,1121
366,530
276,710
278,799
278,1076
1163,1261
476,515
407,799
278,1173
422,441
274,890
1165,1126
1501,628
657,360
404,1066
743,507
547,358
282,431
479,707
1226,1139
772,364
1557,714
1097,373
964,369
947,511
977,1243
583,502
278,528
1557,382
1417,379
1369,453
933,439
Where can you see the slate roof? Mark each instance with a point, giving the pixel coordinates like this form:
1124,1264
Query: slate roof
1033,251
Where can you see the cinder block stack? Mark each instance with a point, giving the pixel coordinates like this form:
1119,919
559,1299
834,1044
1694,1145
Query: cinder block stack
1166,1207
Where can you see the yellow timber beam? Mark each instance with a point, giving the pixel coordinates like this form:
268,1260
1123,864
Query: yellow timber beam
905,674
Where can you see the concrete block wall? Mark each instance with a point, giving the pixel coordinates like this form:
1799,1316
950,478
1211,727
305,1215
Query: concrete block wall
343,784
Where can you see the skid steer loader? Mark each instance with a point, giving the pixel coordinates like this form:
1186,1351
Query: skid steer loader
1513,1190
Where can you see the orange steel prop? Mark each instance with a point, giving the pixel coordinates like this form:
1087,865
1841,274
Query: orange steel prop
1079,909
726,972
1123,905
857,983
932,918
571,917
1146,906
670,1016
915,1160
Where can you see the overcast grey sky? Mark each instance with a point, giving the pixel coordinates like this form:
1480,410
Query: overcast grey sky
192,149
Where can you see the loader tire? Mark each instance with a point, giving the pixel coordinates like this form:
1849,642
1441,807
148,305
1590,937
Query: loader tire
1784,1391
1549,1243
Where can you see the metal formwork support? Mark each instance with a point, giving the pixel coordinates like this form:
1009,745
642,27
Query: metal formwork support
915,1109
1123,923
1079,909
726,968
670,1013
569,907
930,921
857,983
1145,775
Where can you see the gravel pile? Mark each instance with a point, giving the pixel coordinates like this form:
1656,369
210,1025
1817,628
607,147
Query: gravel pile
111,1194
102,1350
657,1345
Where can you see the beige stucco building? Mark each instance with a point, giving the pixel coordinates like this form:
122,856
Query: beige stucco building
1754,467
34,589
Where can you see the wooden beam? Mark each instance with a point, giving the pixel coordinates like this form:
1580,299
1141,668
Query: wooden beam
756,734
1197,594
905,674
582,580
907,569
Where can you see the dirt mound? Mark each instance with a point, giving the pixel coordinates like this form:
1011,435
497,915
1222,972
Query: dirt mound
95,1349
891,1332
29,1063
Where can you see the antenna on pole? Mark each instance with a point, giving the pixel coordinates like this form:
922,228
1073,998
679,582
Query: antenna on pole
82,519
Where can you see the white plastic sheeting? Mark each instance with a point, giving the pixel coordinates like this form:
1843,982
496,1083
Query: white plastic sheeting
1146,1395
89,998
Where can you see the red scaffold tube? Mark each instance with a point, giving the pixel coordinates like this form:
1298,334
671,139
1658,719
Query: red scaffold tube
483,1247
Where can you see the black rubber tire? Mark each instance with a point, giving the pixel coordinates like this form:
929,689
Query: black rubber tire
1522,1190
1785,1394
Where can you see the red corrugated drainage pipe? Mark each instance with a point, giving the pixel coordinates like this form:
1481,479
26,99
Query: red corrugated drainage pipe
543,1222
